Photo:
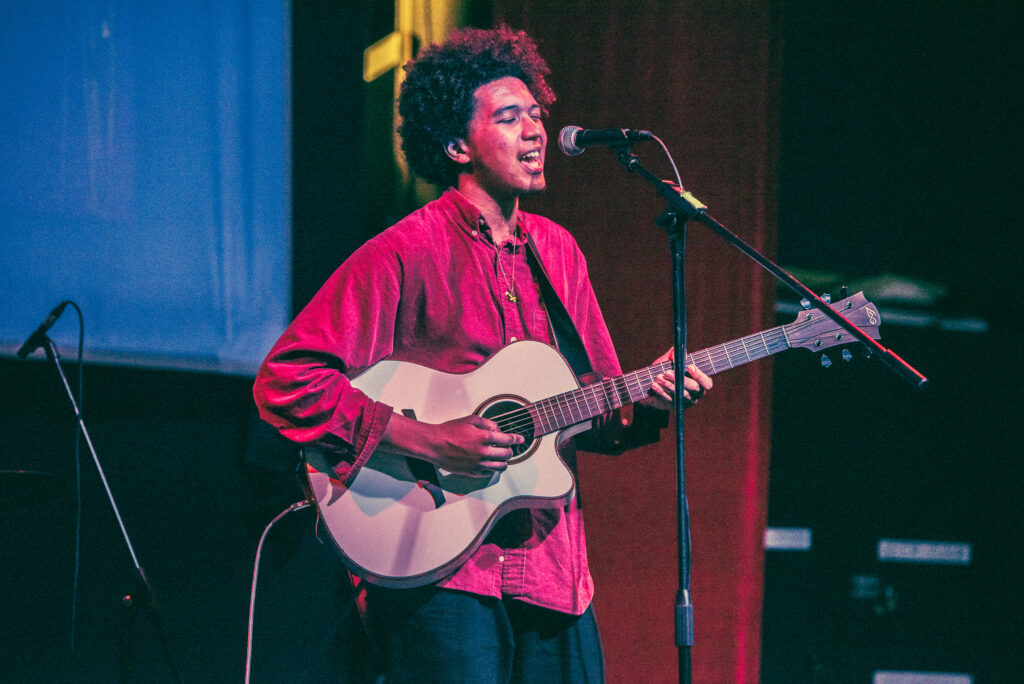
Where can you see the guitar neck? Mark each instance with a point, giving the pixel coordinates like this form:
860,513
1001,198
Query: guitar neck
574,407
722,357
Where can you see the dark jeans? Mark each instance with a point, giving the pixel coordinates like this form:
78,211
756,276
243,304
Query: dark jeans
430,635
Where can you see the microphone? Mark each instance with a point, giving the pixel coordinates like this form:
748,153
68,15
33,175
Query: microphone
35,340
573,139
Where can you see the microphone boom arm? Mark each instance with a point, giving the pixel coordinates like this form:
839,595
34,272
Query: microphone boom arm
690,207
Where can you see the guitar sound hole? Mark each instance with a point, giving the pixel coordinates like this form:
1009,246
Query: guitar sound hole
519,422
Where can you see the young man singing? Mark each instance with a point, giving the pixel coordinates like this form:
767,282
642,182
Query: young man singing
447,287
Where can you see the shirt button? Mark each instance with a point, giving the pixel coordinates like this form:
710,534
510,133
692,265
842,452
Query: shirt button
501,559
476,232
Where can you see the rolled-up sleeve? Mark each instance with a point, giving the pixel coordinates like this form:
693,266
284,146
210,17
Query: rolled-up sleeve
303,387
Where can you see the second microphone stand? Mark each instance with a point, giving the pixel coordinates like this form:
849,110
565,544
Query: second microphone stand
141,598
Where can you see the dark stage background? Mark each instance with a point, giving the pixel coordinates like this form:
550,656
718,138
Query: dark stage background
852,141
900,151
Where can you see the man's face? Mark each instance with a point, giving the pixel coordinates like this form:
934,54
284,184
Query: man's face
506,140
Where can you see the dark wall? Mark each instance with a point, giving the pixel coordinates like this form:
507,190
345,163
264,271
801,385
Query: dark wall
329,180
172,446
858,456
196,479
899,153
900,144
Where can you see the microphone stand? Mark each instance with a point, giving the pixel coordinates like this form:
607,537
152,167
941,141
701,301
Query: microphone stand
141,598
683,205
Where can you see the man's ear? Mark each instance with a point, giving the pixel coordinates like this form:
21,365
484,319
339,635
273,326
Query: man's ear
456,151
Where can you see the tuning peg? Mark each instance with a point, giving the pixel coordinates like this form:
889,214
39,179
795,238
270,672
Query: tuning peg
805,303
826,297
825,361
844,292
847,355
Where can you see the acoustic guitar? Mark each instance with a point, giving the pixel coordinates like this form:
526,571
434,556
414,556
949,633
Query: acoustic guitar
403,523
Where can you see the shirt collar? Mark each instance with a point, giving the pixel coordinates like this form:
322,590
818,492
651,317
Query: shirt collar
468,218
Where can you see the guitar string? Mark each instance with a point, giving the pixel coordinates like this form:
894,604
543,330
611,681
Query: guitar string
569,403
561,403
578,404
522,419
725,352
556,412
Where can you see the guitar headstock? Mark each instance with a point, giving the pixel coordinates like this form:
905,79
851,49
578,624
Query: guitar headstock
813,330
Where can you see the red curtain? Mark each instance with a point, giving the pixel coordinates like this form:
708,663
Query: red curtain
704,78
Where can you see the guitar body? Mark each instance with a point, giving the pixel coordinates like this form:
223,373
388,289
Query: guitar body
395,529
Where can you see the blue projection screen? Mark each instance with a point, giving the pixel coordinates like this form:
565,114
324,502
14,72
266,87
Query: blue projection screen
145,161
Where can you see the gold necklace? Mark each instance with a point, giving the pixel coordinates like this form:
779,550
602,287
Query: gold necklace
510,282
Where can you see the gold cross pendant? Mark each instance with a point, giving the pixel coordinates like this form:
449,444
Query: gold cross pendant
511,297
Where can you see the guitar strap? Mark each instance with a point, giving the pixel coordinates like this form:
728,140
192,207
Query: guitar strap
567,338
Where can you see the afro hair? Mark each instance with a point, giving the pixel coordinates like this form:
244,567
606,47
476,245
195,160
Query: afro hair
436,100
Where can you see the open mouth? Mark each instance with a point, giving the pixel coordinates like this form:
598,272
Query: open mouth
532,161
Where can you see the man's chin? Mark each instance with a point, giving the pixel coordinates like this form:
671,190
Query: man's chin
536,187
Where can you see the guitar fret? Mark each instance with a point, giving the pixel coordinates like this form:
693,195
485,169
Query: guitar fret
741,355
728,355
572,406
544,417
592,392
781,343
625,391
718,358
637,387
540,425
614,386
567,409
603,396
629,386
641,382
623,395
764,343
782,329
555,413
557,416
754,351
606,391
644,386
587,395
710,362
743,341
739,359
562,410
581,407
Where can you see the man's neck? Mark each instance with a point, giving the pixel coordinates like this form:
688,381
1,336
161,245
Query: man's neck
500,216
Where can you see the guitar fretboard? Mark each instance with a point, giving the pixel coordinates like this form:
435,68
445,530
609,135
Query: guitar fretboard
579,405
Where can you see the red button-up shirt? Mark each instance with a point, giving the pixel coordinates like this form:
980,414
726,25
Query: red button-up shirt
430,290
